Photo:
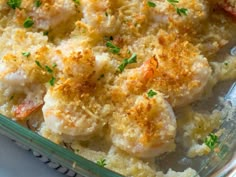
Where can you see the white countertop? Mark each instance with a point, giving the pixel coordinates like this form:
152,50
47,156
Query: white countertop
17,162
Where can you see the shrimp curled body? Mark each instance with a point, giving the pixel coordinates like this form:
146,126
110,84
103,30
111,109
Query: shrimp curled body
178,70
145,127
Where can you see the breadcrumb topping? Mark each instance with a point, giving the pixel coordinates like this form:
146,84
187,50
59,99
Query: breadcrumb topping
110,77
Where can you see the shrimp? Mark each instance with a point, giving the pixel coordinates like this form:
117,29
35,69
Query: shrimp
177,70
72,107
48,15
27,96
101,16
31,103
143,126
21,79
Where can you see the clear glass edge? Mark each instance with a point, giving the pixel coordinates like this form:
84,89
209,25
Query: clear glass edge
75,162
53,151
225,167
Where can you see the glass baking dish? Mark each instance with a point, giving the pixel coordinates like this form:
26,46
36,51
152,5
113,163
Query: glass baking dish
217,163
54,152
222,163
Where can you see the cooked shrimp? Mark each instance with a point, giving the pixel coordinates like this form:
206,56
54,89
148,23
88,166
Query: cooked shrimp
101,15
143,126
182,71
20,76
80,63
48,15
28,96
70,109
178,70
31,103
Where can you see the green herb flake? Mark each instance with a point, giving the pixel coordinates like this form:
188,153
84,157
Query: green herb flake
54,65
113,48
38,3
211,141
38,63
14,3
28,22
12,97
151,4
181,11
106,14
45,33
102,162
151,93
52,81
48,69
77,2
173,1
26,54
125,62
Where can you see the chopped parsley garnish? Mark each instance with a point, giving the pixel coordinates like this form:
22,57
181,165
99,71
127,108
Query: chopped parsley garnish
38,3
101,162
45,33
128,51
54,65
76,1
38,63
151,93
113,48
14,3
125,62
106,14
48,69
12,97
151,4
211,141
26,54
173,1
52,81
28,22
180,11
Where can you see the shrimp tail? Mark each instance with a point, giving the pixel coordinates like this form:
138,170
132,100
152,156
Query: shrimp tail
26,108
148,69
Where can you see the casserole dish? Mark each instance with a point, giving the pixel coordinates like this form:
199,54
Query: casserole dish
222,163
126,84
54,152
